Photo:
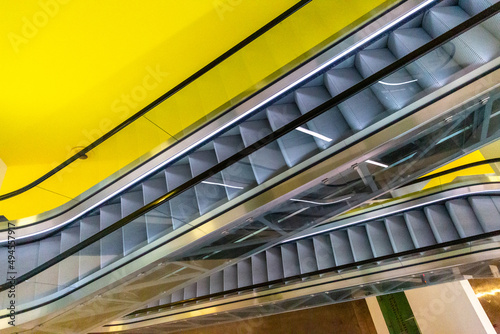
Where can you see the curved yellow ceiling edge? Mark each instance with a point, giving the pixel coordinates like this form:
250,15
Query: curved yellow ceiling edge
155,65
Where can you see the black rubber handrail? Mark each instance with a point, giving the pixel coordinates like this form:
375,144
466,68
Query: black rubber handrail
453,170
365,83
159,100
416,181
344,267
430,177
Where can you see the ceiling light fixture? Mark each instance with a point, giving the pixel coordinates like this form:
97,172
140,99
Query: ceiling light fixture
221,184
377,163
315,134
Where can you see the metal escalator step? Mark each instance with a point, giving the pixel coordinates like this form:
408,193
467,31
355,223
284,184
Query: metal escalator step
230,277
134,233
341,247
330,124
158,222
463,217
259,268
190,291
323,251
291,266
89,257
268,160
177,296
432,70
360,243
217,282
183,207
307,256
211,193
441,224
154,188
244,272
360,110
394,91
379,238
419,228
131,202
4,257
203,287
496,201
399,235
486,212
68,268
274,263
296,146
166,300
474,47
473,7
112,244
47,281
26,259
239,176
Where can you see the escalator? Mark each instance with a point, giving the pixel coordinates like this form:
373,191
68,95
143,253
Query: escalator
323,269
392,235
327,112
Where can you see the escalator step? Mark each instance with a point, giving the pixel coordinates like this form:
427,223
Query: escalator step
183,207
295,146
208,195
360,110
486,212
464,218
68,268
290,256
244,273
394,91
134,233
323,251
473,7
433,70
307,258
474,47
268,160
441,223
341,247
274,263
89,258
399,235
112,244
360,244
379,238
230,278
259,268
419,228
330,124
240,174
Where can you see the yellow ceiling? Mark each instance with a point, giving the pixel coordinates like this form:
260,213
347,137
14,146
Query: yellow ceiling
69,69
64,63
73,69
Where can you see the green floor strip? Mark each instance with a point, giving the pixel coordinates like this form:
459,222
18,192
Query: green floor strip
398,314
